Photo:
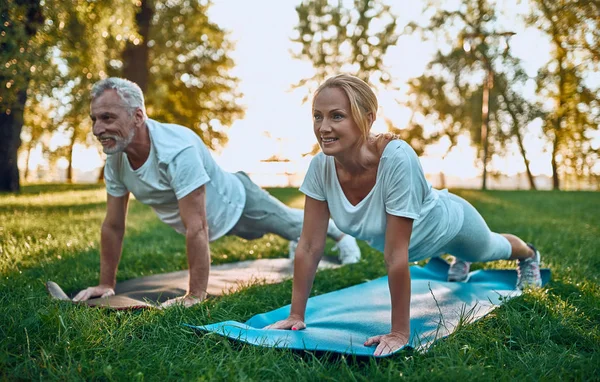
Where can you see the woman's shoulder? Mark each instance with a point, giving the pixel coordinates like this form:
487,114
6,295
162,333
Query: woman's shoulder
396,155
389,145
318,164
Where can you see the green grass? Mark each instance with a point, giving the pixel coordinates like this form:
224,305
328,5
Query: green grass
51,232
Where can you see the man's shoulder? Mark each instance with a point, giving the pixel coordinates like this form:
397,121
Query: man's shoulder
170,139
170,130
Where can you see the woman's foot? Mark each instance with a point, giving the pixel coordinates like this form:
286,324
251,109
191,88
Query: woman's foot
459,271
529,270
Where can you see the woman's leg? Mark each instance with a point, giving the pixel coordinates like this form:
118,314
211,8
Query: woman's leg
475,242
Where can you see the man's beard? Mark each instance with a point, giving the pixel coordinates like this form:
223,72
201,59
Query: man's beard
120,142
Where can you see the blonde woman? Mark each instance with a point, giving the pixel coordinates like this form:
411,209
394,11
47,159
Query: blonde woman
374,188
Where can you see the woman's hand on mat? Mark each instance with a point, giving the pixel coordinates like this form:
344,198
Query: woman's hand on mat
187,301
387,343
95,291
292,322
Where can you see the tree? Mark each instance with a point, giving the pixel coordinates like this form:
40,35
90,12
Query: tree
452,90
573,28
94,35
432,105
182,61
40,49
352,40
21,55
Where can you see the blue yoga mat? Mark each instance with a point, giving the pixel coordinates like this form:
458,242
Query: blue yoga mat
341,321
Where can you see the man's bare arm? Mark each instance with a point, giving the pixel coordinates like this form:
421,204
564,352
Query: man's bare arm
111,244
192,209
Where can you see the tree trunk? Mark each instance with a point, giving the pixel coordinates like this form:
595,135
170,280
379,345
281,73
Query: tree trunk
136,57
11,116
525,160
517,132
27,162
555,179
70,167
11,124
485,120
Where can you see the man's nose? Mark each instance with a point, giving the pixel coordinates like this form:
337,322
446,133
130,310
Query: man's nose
97,129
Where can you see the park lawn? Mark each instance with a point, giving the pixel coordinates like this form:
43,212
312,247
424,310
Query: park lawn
52,231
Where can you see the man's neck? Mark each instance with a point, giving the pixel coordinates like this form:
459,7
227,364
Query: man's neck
139,148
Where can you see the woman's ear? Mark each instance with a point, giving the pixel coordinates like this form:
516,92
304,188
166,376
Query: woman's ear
370,119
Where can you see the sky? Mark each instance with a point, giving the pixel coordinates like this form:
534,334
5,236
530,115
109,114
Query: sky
276,121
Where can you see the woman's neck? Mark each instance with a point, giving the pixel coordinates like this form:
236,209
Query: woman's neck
361,158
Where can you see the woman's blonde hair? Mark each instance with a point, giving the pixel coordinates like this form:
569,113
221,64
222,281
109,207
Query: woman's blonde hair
362,99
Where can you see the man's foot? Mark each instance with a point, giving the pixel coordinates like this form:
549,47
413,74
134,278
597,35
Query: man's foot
349,251
292,249
529,271
459,271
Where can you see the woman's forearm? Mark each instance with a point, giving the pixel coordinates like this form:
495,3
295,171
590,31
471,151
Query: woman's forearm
399,284
305,267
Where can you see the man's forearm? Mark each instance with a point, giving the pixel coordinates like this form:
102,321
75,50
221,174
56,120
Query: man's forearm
111,244
399,284
198,254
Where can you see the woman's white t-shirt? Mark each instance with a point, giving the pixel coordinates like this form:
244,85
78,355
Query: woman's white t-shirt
401,190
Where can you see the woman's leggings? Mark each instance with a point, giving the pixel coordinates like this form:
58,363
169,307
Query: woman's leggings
475,242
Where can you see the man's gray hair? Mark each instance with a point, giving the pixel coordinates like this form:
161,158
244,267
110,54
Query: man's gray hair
129,91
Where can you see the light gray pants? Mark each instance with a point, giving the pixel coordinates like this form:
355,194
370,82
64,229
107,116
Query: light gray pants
475,242
264,214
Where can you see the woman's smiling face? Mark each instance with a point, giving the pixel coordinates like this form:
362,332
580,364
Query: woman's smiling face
334,127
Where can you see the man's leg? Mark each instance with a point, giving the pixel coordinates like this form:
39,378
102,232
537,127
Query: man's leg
264,214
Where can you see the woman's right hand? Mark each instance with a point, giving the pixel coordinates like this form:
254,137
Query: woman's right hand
293,322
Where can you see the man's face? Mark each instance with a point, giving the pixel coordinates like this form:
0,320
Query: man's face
111,122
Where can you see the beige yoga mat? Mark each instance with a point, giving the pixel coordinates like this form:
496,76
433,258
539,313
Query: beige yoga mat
150,291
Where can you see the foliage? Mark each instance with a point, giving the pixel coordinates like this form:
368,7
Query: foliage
189,64
337,37
449,95
54,50
573,28
52,231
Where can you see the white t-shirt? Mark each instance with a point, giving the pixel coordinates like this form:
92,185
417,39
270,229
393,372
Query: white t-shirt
401,190
178,163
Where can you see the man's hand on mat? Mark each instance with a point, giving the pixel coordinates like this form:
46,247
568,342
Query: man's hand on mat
292,322
95,291
388,343
187,301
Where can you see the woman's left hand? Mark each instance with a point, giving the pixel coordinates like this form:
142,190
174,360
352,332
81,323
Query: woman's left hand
387,343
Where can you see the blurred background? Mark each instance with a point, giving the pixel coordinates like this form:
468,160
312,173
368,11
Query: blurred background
491,94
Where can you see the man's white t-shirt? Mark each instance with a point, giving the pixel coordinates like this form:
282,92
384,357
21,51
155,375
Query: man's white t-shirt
178,163
401,190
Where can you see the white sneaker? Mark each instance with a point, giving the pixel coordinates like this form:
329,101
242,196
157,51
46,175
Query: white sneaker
529,271
292,249
459,271
349,251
